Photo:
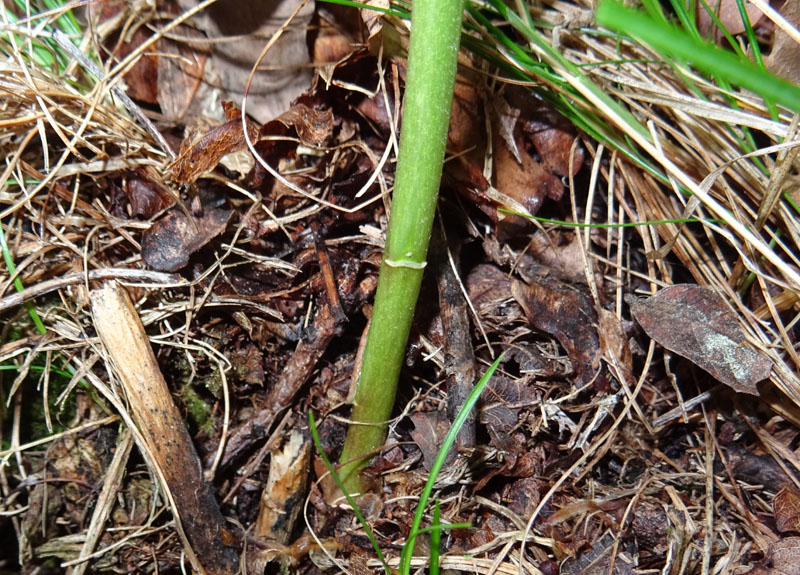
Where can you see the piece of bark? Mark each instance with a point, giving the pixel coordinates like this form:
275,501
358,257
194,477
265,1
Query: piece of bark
166,441
459,357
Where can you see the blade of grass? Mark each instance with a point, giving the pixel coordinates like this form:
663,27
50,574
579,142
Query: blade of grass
318,444
37,321
669,40
436,542
441,456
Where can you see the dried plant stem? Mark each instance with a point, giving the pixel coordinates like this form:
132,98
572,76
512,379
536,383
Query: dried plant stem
160,423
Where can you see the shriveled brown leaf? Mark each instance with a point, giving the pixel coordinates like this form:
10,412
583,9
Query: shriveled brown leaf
429,431
168,243
203,155
567,313
312,126
694,322
786,507
146,196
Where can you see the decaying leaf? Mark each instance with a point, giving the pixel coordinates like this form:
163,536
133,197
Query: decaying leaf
597,560
169,242
694,322
567,313
239,30
786,506
728,13
183,87
312,126
786,557
429,431
202,155
784,60
146,196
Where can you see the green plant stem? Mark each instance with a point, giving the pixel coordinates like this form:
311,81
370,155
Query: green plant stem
432,62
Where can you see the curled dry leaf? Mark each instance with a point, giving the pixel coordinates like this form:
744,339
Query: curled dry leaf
694,322
169,242
567,313
203,155
786,507
313,126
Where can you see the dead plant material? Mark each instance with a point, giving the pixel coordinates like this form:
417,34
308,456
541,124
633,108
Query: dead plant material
166,441
695,323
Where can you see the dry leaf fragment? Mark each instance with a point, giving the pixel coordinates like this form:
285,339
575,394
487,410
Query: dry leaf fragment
203,155
567,313
239,30
313,126
169,242
430,429
786,507
786,557
784,60
694,322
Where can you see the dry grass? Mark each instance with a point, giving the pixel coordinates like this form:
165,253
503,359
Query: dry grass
63,140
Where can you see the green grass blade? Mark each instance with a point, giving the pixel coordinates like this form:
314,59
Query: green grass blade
711,59
318,444
37,321
436,542
450,438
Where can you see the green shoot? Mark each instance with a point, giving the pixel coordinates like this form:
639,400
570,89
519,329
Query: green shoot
441,456
318,444
436,528
37,322
432,63
436,542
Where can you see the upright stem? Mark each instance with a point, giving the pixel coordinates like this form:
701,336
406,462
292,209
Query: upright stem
432,62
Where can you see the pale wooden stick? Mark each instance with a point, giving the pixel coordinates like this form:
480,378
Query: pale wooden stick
163,431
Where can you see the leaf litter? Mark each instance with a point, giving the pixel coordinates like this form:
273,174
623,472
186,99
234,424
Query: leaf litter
269,297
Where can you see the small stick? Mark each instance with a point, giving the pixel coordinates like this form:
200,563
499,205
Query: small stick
165,438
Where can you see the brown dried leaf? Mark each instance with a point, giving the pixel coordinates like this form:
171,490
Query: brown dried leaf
141,80
204,154
728,13
313,126
694,322
786,507
784,60
251,25
429,431
786,557
168,243
567,313
146,196
181,73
